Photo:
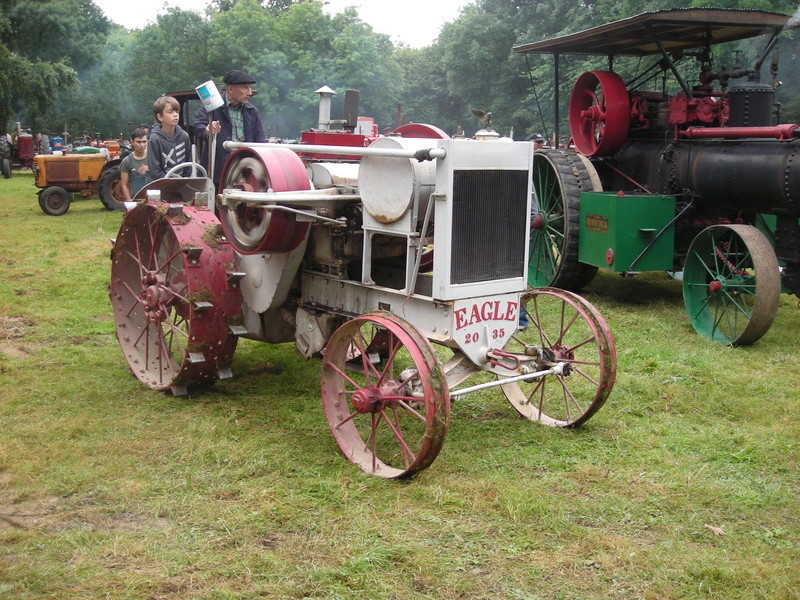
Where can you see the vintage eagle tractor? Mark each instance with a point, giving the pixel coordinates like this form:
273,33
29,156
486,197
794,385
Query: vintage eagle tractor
700,179
404,272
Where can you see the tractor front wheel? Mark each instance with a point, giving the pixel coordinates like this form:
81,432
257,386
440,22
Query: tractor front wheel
6,168
54,201
731,284
111,189
385,395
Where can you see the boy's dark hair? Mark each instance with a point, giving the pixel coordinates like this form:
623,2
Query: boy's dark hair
162,103
138,132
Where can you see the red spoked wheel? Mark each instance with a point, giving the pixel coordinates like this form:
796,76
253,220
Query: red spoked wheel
599,113
252,229
171,298
561,327
385,395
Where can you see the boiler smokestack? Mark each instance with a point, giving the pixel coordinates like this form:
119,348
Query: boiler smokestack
325,95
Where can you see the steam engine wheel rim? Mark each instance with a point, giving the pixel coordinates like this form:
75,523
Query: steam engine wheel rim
731,284
170,296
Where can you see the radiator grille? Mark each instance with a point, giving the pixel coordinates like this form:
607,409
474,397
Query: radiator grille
489,225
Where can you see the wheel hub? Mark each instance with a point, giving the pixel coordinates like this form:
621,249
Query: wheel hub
538,222
373,399
556,354
716,286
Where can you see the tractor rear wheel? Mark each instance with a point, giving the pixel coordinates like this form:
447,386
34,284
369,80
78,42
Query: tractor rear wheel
559,177
111,189
5,156
54,200
43,145
173,302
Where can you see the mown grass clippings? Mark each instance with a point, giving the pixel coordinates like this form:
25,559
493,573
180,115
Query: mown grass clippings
683,485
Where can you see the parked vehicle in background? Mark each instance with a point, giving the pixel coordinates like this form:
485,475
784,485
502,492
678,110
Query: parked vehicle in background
87,170
18,152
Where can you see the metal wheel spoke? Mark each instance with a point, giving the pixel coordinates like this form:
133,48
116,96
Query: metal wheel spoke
742,307
347,419
366,364
568,330
408,408
389,366
574,347
398,435
568,397
344,375
586,375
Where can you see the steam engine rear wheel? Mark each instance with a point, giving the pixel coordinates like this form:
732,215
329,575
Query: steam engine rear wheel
731,284
559,177
566,328
251,229
171,299
385,395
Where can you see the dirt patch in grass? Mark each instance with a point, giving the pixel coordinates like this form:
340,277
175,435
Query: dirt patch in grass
55,513
28,514
12,328
13,350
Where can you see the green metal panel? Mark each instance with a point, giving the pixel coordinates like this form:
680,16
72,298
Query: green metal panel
626,232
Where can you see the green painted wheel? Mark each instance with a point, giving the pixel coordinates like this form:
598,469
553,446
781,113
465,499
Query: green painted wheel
731,284
559,177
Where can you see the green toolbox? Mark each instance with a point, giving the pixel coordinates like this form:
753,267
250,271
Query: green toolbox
627,232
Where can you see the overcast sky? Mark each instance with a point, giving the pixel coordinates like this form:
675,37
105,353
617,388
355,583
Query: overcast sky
415,23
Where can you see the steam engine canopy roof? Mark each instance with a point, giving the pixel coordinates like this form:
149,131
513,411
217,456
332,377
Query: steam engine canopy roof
677,29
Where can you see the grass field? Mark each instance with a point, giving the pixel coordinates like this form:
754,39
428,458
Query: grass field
683,486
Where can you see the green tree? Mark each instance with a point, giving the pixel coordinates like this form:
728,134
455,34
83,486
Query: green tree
43,45
169,55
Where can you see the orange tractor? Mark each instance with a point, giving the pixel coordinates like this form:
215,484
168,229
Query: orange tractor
89,170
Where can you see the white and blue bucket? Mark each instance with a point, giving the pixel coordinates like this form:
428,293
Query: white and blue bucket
209,95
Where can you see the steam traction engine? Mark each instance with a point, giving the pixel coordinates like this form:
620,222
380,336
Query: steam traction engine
405,273
700,181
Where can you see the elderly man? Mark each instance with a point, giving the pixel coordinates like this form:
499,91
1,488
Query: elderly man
237,120
538,141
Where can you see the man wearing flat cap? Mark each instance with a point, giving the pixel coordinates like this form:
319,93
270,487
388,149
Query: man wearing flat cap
236,120
538,141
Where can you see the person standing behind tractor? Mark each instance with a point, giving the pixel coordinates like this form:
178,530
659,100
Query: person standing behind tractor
538,141
237,120
169,144
133,167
